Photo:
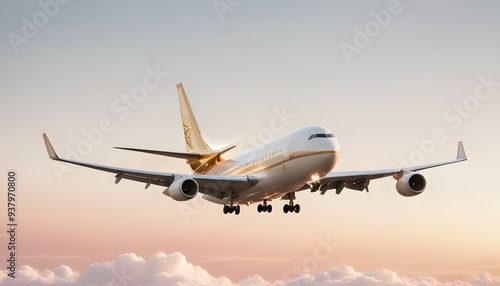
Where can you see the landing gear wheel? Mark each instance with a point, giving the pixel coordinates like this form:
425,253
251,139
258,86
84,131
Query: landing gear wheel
291,207
264,207
260,208
286,208
297,208
231,208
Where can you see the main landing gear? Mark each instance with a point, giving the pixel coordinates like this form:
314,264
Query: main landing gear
264,207
231,209
291,207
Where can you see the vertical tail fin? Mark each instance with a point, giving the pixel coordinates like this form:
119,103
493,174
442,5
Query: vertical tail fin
194,141
207,158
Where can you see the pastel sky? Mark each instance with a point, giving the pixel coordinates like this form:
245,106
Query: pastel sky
398,82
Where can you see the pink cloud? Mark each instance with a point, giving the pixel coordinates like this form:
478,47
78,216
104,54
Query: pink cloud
173,269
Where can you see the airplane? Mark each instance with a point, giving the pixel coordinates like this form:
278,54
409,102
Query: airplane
298,161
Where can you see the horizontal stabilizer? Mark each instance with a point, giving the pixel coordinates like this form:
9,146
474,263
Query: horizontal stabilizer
180,155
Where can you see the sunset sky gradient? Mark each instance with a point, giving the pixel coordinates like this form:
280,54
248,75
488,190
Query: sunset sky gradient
426,79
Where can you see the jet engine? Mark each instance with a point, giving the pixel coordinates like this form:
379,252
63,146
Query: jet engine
182,190
411,184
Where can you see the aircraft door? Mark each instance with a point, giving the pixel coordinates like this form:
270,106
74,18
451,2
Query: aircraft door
290,152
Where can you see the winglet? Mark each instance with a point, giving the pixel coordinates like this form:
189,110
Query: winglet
461,152
50,149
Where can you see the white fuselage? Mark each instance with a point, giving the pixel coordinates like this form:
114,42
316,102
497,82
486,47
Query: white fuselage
283,165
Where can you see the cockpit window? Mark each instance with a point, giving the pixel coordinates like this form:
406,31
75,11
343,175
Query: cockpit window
321,135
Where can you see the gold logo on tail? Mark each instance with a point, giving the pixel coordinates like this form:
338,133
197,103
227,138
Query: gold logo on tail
187,130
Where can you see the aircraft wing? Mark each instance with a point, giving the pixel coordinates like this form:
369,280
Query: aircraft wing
215,186
359,180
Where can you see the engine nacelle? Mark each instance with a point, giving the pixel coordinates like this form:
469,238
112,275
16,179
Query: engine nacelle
182,190
411,184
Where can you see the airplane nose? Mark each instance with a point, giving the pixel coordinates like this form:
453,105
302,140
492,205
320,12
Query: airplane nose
330,149
336,146
330,144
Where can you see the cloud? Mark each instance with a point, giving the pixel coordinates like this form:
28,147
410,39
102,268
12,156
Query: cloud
26,275
173,269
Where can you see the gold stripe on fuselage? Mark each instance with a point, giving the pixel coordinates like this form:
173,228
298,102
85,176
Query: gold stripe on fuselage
262,167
